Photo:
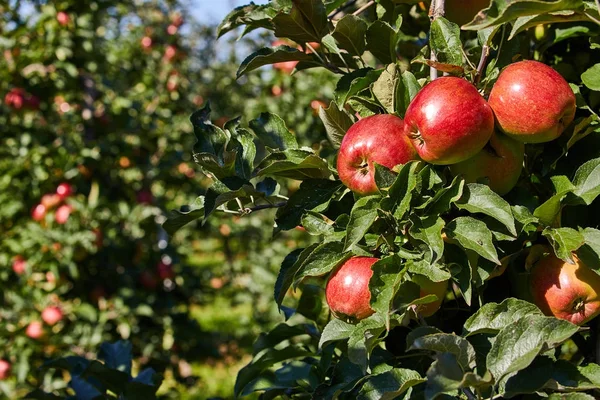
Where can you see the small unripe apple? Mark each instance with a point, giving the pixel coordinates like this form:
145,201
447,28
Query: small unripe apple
500,161
34,330
448,121
39,212
62,213
375,139
4,370
63,18
566,291
532,102
19,265
347,290
64,190
51,315
429,287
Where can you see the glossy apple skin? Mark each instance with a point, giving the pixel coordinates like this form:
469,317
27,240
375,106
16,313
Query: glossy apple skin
347,290
51,315
566,291
532,102
4,369
448,121
463,11
375,139
429,287
500,161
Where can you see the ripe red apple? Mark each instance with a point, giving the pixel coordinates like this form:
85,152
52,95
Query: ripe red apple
39,212
4,370
35,330
19,265
347,290
429,287
500,161
146,42
567,291
63,18
62,213
51,315
50,200
448,121
172,29
316,106
64,190
15,98
463,11
375,139
165,271
533,103
144,197
170,52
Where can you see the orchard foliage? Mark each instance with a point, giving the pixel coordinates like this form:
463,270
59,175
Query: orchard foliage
488,340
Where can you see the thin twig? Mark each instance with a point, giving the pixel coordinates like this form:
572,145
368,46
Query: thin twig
593,18
249,210
485,52
363,8
469,394
435,11
340,9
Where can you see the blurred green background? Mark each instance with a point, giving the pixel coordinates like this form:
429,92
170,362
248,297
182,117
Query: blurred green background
96,95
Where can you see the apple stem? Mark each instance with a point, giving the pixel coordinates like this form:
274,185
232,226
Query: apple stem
485,52
436,10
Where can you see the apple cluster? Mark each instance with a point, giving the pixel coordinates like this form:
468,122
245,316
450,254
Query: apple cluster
450,123
50,201
18,98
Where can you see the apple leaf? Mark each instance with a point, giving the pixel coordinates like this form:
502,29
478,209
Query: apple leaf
350,34
384,89
549,211
306,22
389,385
591,77
444,198
317,224
564,241
290,265
387,276
255,16
271,55
493,317
271,130
429,231
433,272
519,343
362,216
364,338
406,90
445,42
587,181
570,396
479,198
297,164
336,329
323,259
336,121
351,84
382,40
501,11
590,251
447,343
401,192
474,235
176,219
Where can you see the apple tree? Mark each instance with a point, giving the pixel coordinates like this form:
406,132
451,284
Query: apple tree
453,205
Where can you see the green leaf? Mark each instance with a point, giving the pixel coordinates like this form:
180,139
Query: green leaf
590,251
280,333
176,219
317,224
587,181
272,55
117,355
384,177
306,22
384,284
406,90
251,14
445,197
549,211
429,231
351,84
479,198
335,330
591,77
350,33
271,130
290,265
433,272
517,345
382,40
401,192
362,216
564,241
474,235
297,164
384,89
389,385
336,121
246,152
570,396
445,42
447,343
364,338
493,317
323,259
502,11
313,194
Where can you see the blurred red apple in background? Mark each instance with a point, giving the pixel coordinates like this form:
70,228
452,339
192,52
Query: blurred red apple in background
51,315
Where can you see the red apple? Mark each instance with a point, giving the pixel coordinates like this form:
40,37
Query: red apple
347,290
19,265
375,139
500,161
429,287
39,212
566,291
165,271
4,370
448,121
52,315
50,200
285,66
144,197
35,330
533,103
146,42
463,11
15,98
172,29
177,19
62,214
63,18
170,52
64,190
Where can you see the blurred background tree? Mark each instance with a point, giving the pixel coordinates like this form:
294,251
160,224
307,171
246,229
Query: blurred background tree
94,151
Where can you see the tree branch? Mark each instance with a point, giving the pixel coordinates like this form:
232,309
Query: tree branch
436,10
363,8
340,9
249,210
485,52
